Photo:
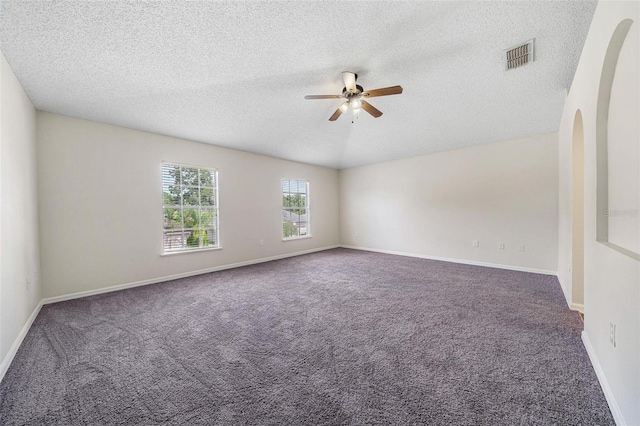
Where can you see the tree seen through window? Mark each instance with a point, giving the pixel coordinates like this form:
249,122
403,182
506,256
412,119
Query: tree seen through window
189,207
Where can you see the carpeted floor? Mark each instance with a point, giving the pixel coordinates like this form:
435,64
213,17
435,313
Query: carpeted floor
336,337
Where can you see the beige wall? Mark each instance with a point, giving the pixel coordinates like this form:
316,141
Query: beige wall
101,205
436,205
19,225
611,277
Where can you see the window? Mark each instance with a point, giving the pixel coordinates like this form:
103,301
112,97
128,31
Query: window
190,208
295,209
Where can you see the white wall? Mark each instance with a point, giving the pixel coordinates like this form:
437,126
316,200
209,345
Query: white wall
19,226
101,205
435,205
611,277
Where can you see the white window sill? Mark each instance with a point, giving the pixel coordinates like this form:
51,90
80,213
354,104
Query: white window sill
297,238
171,253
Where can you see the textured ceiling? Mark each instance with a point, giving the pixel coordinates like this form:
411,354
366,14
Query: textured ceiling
235,74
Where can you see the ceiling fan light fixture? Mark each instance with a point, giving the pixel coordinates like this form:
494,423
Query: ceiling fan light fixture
353,97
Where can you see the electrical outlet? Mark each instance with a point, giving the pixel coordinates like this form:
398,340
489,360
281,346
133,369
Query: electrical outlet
261,242
612,333
355,234
520,247
501,246
476,243
28,283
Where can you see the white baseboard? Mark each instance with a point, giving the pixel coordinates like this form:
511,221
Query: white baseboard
573,306
604,384
462,261
577,307
6,362
564,291
177,276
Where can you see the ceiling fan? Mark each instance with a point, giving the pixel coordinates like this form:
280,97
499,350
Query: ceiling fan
355,94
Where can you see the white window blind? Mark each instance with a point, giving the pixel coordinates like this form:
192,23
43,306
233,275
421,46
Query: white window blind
189,207
296,215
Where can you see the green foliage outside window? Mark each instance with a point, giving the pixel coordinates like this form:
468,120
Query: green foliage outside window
289,229
295,200
197,236
295,208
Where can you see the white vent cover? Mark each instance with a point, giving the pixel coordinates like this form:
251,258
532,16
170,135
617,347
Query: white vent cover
518,56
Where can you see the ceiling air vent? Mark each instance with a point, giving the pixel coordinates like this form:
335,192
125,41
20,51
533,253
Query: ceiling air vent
519,55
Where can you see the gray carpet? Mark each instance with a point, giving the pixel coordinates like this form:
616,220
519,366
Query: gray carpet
337,337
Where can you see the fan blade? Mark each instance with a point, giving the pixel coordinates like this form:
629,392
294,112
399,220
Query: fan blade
386,91
339,111
323,96
349,79
371,109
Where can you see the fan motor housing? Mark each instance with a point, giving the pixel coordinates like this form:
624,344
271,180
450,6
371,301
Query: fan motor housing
349,94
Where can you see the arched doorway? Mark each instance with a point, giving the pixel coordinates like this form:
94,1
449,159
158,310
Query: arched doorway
577,214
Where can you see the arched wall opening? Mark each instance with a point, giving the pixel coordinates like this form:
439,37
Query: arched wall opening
618,144
577,213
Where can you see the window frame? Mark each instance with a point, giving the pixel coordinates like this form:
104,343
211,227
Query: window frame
307,209
182,206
